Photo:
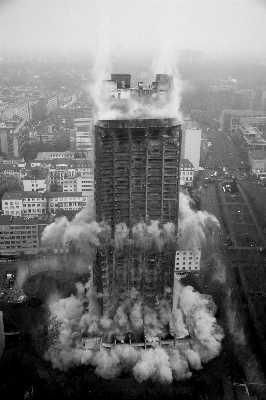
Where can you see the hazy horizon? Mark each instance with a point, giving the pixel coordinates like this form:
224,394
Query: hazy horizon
235,27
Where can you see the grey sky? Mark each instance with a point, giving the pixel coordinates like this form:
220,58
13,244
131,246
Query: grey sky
228,27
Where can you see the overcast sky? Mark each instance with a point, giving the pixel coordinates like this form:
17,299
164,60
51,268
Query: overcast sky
228,27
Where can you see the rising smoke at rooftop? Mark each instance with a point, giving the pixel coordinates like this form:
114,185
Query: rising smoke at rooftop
159,105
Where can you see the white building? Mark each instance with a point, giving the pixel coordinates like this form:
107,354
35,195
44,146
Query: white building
186,173
73,175
79,183
191,142
31,204
187,261
27,204
66,201
37,180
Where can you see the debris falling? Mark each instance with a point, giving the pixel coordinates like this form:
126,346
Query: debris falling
191,315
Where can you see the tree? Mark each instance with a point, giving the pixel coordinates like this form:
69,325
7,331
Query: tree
234,187
35,148
8,183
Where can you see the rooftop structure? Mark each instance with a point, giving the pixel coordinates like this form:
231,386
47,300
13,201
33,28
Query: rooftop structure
251,137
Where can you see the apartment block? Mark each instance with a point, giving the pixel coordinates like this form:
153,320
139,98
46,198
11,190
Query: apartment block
18,235
18,109
66,201
186,173
27,204
13,170
72,175
187,261
33,204
14,138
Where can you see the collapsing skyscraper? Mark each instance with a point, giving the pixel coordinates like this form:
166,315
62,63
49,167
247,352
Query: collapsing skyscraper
137,183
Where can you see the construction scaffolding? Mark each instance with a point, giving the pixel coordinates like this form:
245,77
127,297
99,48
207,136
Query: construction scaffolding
136,179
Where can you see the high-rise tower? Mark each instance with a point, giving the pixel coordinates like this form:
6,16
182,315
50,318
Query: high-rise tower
137,181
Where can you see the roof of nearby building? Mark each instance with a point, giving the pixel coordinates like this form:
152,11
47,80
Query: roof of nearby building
47,154
185,163
39,162
72,163
190,124
70,214
14,167
249,129
10,220
36,173
258,154
19,195
63,194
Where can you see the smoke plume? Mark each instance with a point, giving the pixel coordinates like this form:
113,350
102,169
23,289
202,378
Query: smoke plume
132,105
192,224
190,314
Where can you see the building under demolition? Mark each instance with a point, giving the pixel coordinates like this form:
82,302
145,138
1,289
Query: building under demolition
136,180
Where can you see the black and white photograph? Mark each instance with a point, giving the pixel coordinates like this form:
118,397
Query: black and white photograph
133,199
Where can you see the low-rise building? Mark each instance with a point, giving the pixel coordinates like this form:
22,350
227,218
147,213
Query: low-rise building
257,162
52,155
251,138
27,204
33,204
187,261
37,179
232,119
12,170
186,173
73,175
66,201
18,235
